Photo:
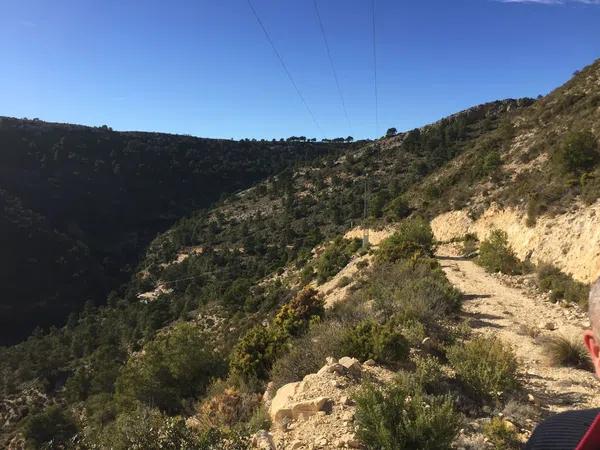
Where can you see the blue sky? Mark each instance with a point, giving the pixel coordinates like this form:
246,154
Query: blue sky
205,68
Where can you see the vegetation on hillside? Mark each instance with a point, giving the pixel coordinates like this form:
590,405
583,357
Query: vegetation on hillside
225,280
80,204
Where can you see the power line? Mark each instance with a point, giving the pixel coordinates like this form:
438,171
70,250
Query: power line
375,71
335,76
287,72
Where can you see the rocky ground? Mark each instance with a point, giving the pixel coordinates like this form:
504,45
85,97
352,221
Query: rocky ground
318,412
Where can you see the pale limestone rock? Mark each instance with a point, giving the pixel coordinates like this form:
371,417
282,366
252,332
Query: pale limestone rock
263,440
280,405
307,408
352,365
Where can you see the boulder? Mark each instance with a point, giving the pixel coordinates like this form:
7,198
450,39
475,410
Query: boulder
352,365
332,368
280,404
307,408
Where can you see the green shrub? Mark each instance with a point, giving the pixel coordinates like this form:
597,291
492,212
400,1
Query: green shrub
428,372
561,285
177,364
307,274
413,291
578,153
495,255
335,257
564,352
590,186
147,428
502,435
371,340
414,237
414,332
491,162
397,209
255,353
53,425
294,317
343,282
399,418
486,366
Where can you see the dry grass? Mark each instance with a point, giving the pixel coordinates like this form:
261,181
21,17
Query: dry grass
566,352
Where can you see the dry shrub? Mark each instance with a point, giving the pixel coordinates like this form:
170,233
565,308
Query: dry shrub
565,352
227,408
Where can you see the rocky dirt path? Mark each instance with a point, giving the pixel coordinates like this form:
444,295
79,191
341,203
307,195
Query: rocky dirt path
495,308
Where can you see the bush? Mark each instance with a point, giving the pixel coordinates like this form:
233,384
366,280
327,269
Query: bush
399,418
413,291
562,286
495,255
371,340
308,353
293,317
177,364
53,427
564,352
228,408
470,244
335,257
414,237
502,435
255,353
147,428
428,372
578,153
397,209
486,366
343,282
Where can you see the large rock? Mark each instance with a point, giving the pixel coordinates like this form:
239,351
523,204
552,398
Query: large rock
281,404
352,365
306,408
286,406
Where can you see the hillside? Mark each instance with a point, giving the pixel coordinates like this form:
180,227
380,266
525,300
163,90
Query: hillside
82,203
262,287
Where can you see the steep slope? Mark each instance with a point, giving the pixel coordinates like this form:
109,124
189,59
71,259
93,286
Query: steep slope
243,262
522,163
544,188
107,194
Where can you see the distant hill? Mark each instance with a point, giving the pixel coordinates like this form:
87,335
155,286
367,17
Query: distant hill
79,204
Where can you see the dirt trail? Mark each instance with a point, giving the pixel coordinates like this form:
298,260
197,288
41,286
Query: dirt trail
494,308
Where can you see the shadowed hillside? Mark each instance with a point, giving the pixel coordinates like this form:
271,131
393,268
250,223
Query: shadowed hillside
80,203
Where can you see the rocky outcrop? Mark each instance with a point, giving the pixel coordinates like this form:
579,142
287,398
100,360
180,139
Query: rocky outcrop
318,412
571,241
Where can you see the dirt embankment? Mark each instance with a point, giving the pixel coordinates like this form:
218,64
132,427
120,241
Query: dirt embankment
570,241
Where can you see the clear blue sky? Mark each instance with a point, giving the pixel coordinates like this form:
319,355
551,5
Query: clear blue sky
204,67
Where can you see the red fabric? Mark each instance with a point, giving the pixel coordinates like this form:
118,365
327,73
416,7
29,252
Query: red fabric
591,438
